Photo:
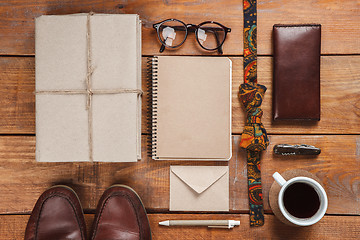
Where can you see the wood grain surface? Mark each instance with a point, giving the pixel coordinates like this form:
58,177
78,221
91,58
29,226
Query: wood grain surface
23,179
339,35
340,97
330,228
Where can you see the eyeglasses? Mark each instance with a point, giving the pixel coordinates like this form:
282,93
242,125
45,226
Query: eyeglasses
210,35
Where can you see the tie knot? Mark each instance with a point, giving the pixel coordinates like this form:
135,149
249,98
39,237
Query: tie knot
253,119
254,115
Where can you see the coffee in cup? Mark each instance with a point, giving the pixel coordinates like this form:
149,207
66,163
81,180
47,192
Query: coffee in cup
301,200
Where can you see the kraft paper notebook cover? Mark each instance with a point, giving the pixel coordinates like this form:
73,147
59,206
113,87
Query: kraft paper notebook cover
191,117
63,127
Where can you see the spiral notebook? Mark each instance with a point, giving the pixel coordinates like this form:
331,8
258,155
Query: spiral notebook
191,108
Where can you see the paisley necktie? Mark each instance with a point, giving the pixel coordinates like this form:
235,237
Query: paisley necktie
254,138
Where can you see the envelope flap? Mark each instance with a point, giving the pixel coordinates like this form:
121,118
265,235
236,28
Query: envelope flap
199,178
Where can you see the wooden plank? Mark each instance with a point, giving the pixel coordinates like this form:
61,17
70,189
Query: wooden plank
23,179
330,227
339,19
17,101
340,97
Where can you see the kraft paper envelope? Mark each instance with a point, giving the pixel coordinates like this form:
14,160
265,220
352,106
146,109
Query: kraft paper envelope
199,188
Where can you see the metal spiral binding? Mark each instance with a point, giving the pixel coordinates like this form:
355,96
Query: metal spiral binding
152,77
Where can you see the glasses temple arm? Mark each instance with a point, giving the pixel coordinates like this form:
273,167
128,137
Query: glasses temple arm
220,51
162,48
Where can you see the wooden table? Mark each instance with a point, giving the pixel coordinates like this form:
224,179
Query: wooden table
22,179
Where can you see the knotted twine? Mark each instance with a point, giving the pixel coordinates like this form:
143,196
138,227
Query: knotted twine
254,138
89,91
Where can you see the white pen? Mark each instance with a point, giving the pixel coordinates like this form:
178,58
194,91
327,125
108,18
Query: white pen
209,223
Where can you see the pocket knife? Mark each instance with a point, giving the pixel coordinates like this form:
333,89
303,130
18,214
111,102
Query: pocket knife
303,149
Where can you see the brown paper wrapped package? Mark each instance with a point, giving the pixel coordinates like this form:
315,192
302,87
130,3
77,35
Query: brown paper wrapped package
88,96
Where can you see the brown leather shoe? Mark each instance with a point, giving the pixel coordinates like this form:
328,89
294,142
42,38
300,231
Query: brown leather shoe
120,214
57,215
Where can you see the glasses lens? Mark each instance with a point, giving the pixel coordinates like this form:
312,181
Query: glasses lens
172,33
210,35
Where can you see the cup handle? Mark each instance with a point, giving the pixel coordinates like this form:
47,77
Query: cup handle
279,179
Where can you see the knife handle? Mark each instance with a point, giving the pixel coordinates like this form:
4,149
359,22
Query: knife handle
303,149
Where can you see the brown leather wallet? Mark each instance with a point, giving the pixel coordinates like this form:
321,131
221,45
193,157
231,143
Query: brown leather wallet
296,83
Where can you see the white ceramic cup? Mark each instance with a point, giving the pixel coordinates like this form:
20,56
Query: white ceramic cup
317,187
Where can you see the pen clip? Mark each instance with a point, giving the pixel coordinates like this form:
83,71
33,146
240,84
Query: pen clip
227,227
